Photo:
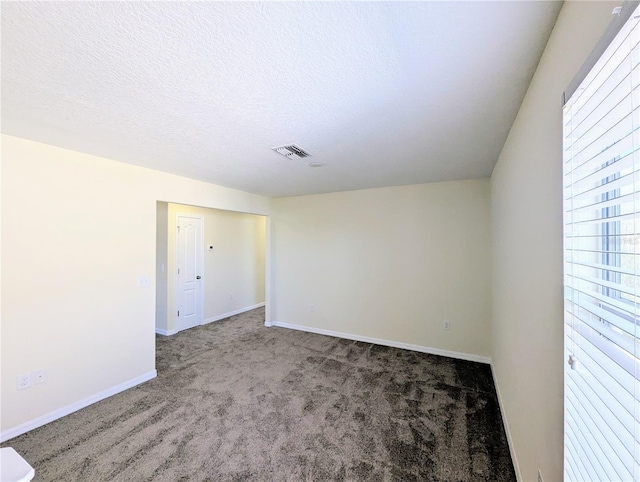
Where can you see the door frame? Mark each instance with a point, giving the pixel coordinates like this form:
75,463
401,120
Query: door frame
165,320
200,268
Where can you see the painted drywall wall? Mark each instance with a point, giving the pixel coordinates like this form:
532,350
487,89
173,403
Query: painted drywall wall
234,272
526,207
162,246
390,263
78,231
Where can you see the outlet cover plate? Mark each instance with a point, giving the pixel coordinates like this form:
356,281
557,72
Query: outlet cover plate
24,381
143,281
39,376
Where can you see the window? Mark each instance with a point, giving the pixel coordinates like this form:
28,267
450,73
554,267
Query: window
602,265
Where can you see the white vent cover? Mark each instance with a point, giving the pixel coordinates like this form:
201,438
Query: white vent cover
292,151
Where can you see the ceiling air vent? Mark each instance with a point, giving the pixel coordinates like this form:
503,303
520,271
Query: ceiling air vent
292,151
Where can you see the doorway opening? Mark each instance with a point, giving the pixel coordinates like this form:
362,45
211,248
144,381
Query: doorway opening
210,263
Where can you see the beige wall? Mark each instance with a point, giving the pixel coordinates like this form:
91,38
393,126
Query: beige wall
526,206
389,263
234,272
77,232
162,246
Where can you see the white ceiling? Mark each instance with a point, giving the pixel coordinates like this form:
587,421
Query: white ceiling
383,93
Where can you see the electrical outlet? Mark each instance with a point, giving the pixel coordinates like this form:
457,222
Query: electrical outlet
39,376
540,479
24,381
143,281
446,325
312,308
230,296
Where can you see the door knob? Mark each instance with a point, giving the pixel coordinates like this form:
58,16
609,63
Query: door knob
198,277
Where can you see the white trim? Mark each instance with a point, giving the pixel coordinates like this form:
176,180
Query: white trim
391,343
512,450
231,313
74,407
162,332
267,269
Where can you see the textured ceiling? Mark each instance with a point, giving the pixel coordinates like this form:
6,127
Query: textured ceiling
383,93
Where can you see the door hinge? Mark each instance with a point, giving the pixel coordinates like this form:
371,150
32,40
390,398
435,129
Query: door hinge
178,270
178,312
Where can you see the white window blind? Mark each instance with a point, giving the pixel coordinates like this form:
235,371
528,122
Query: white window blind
602,266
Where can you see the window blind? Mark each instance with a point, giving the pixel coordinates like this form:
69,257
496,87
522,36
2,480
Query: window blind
601,172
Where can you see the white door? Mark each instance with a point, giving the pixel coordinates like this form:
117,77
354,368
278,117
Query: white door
190,268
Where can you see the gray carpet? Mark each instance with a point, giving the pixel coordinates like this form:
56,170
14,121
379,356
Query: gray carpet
237,401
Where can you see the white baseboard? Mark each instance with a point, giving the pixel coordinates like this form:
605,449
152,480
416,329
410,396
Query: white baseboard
379,341
74,407
231,313
162,332
516,467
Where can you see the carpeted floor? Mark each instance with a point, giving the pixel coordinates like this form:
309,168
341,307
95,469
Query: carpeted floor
237,401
